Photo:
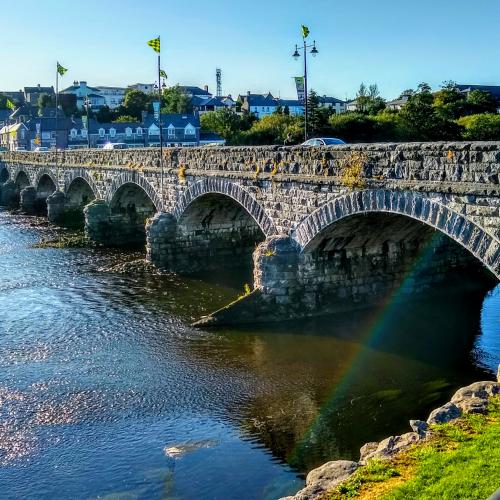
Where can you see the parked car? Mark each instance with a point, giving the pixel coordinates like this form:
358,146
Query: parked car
41,149
323,141
3,148
19,148
115,145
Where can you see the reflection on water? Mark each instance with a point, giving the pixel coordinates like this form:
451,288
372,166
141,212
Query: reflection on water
106,392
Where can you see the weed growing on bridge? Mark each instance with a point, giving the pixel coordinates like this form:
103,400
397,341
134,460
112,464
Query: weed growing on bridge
352,169
181,174
256,172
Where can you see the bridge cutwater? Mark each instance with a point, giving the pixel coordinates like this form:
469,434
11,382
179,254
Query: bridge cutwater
321,226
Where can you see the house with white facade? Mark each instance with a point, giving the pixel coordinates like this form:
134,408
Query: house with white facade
83,92
114,96
147,88
336,105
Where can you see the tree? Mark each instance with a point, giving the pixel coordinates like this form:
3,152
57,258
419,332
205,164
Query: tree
134,104
449,102
224,122
278,110
45,101
362,97
105,115
274,129
286,111
479,101
124,119
175,100
352,127
484,127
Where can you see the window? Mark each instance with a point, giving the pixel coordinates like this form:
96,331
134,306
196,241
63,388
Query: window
154,130
128,132
112,132
101,132
138,131
73,133
171,131
189,130
84,133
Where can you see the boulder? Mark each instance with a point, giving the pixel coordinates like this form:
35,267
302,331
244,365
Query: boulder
498,374
367,449
392,445
420,427
473,405
325,478
482,390
444,414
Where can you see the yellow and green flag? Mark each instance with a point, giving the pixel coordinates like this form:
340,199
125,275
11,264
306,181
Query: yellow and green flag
163,74
155,44
10,104
305,31
61,70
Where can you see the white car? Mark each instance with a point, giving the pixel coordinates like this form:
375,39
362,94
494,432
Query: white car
115,145
19,148
41,149
323,141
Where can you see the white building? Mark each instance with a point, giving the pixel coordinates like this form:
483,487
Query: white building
82,92
114,96
336,105
147,88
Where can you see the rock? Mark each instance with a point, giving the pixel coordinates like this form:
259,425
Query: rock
473,405
325,478
420,427
392,445
498,374
444,414
482,390
367,449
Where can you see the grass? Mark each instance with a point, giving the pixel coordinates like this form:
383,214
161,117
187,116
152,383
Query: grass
460,461
71,240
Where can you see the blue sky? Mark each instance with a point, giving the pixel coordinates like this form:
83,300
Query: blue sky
394,44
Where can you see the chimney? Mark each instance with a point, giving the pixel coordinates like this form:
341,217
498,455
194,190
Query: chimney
206,88
38,85
248,92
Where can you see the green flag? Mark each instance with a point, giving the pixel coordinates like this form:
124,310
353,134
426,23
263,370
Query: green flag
305,31
61,70
155,44
10,104
163,74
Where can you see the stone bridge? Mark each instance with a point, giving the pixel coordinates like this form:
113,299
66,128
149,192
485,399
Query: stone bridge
319,227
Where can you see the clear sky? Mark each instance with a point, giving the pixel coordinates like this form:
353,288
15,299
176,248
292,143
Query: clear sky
392,43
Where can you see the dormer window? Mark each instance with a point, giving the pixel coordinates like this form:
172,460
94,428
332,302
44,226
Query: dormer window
154,130
101,132
128,132
73,133
171,131
138,131
189,130
84,133
112,132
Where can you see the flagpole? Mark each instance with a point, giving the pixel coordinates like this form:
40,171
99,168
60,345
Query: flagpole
57,106
159,119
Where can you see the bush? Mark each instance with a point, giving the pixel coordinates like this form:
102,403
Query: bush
484,127
353,127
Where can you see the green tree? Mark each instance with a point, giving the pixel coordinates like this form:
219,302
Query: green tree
224,122
124,119
134,104
479,101
174,100
274,129
45,101
352,127
483,127
286,111
449,102
105,115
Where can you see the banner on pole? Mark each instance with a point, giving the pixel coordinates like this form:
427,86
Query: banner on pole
299,84
84,122
156,109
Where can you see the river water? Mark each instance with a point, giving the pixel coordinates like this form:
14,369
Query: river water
106,392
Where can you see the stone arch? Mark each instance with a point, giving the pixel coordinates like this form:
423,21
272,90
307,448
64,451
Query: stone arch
48,172
4,173
134,177
216,185
431,212
82,174
21,177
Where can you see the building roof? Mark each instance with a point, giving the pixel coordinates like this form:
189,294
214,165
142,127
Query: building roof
49,123
194,90
177,120
494,90
259,99
74,87
289,102
39,89
330,100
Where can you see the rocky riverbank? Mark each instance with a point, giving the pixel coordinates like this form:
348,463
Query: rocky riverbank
473,399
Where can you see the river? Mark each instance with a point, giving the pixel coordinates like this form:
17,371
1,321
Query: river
107,392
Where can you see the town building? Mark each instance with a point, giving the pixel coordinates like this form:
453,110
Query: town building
398,104
336,105
494,90
147,88
83,92
259,105
32,94
113,96
14,136
192,92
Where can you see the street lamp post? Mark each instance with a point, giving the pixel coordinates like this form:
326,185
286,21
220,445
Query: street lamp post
87,104
296,55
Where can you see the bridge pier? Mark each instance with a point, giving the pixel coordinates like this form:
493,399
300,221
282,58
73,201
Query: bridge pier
56,207
160,235
10,194
28,200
